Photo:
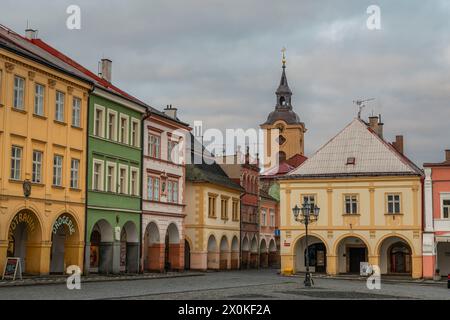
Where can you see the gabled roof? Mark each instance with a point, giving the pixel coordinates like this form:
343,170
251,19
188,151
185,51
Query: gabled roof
372,156
284,167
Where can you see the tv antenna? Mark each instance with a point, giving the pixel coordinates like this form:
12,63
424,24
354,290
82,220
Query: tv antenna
360,104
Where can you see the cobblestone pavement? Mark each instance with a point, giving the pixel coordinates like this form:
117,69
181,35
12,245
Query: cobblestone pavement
236,285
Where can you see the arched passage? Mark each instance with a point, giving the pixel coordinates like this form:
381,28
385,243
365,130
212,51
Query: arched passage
254,253
153,248
174,255
129,248
245,260
351,251
187,255
235,253
213,254
66,244
24,241
101,247
224,253
263,254
317,254
273,255
395,256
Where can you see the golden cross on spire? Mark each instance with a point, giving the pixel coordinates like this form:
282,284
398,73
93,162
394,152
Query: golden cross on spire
283,51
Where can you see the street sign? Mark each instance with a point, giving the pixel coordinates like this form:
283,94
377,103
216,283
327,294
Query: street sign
12,267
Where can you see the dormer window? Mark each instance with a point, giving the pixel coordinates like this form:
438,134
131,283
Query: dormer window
351,160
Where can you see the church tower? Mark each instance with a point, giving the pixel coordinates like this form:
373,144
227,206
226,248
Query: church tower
283,130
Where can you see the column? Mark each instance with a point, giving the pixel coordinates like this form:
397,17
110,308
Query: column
332,265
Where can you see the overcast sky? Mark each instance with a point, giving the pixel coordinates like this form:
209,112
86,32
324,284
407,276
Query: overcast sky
219,61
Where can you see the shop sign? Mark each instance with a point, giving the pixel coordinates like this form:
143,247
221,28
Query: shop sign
23,217
64,220
12,268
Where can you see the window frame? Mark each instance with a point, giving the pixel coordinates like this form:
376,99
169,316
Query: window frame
134,170
309,195
272,218
127,189
74,124
16,161
101,175
400,202
115,126
114,177
35,112
55,170
72,175
444,197
101,122
212,205
123,116
356,201
156,147
235,209
35,164
58,104
20,90
263,217
136,143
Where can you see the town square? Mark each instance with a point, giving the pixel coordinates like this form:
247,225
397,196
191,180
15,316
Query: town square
202,151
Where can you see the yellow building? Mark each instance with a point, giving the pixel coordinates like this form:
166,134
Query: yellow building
43,113
370,200
212,223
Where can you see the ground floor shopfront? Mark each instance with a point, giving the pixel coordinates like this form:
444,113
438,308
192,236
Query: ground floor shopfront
269,256
209,248
436,255
47,236
338,252
112,241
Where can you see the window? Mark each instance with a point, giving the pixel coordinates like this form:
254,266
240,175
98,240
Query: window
393,203
123,129
311,199
112,125
76,112
351,204
351,160
154,146
212,206
74,173
175,192
39,99
99,121
272,218
97,178
171,154
235,208
445,209
57,170
134,182
36,174
135,133
153,188
224,208
16,161
123,179
263,216
19,92
111,177
59,109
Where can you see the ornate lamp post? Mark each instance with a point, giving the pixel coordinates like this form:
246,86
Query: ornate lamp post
309,214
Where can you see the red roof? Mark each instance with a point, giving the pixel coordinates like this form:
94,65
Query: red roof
43,45
286,166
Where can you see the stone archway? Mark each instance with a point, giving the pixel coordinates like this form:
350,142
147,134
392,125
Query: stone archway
174,249
245,260
66,247
224,253
273,255
395,256
129,248
351,250
25,241
254,253
235,253
263,254
153,248
317,254
101,247
213,254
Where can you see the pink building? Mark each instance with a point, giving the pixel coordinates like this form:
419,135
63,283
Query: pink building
436,236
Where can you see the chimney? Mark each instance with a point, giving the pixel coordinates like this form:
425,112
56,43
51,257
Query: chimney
31,34
447,155
106,69
380,127
373,123
170,111
398,144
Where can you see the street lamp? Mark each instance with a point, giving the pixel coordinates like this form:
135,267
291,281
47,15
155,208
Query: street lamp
307,214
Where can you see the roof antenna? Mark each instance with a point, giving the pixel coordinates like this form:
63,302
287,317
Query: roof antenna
360,104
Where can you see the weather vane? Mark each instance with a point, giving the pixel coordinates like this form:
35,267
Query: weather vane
283,51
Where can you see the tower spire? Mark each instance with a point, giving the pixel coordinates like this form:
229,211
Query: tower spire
283,92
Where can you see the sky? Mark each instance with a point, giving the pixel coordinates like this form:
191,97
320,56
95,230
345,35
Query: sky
220,61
